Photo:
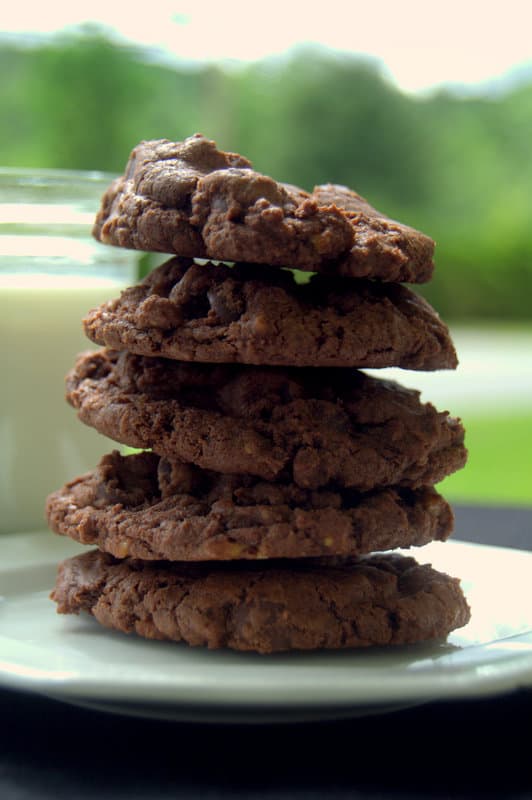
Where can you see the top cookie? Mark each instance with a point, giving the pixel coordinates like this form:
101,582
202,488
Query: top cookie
194,200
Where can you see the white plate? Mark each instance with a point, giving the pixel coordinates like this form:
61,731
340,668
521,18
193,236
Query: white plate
75,660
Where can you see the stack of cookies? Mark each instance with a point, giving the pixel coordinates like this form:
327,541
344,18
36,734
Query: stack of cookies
271,473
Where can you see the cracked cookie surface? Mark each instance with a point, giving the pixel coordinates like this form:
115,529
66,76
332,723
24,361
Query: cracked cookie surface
253,315
310,427
293,605
192,199
153,509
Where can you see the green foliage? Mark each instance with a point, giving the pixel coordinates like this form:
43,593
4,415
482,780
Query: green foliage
458,168
500,461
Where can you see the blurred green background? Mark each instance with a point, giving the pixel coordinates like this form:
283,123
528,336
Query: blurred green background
457,165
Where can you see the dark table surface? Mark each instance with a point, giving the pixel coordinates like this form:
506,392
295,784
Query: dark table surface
473,748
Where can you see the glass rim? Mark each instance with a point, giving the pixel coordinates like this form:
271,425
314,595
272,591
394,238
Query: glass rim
37,175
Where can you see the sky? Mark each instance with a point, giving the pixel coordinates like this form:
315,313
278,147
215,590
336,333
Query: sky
421,43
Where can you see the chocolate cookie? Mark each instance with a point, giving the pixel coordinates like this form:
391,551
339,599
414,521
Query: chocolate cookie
311,427
252,315
192,199
150,508
292,605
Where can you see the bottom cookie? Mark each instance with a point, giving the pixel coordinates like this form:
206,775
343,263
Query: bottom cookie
384,599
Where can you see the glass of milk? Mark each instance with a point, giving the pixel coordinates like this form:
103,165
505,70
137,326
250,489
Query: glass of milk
51,273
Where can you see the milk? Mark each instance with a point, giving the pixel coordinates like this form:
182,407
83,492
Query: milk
42,444
51,273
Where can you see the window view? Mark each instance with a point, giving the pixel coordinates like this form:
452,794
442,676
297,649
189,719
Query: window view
436,136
